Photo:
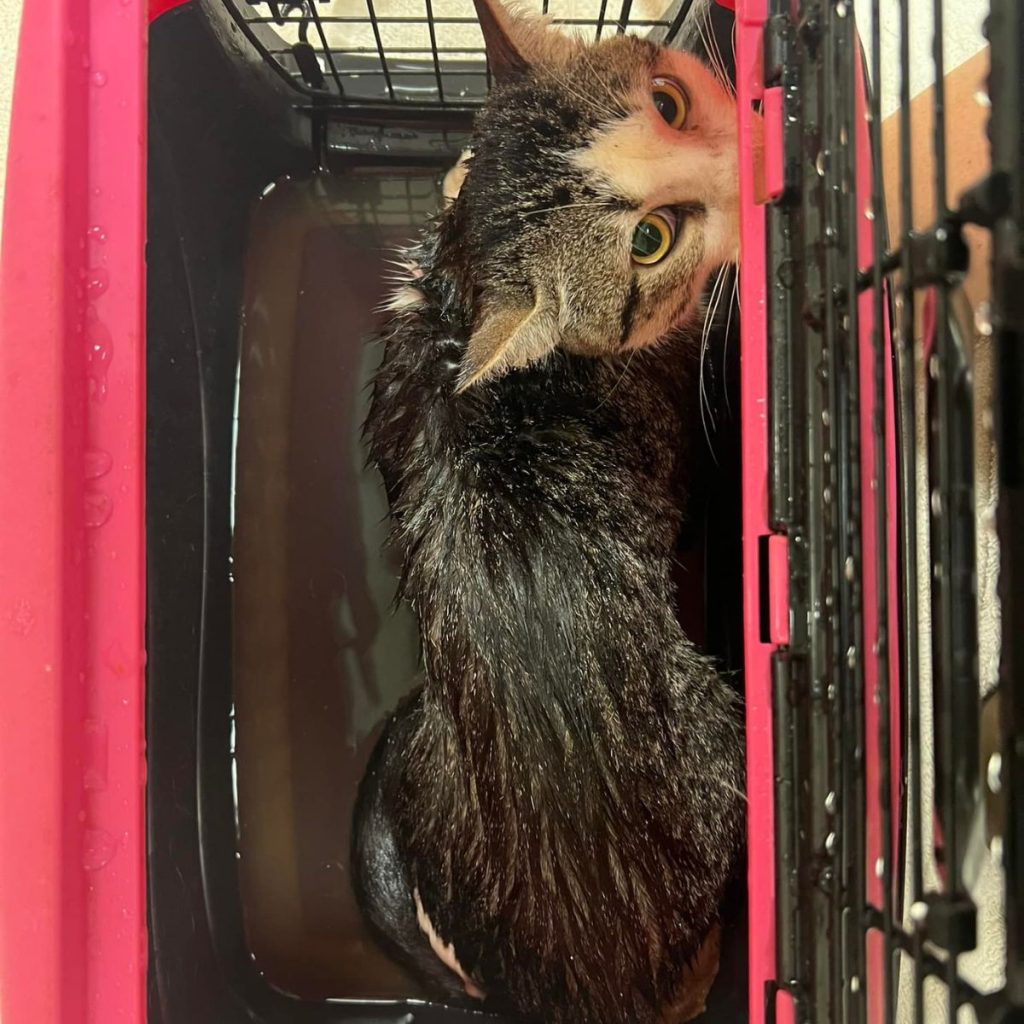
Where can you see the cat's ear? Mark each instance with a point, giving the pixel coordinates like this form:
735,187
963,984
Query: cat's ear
515,41
508,336
504,51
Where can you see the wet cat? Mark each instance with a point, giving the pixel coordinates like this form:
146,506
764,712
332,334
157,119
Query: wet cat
548,822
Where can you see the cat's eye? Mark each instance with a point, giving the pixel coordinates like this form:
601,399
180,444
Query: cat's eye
653,237
670,101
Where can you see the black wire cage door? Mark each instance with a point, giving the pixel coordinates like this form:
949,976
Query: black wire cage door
352,53
893,380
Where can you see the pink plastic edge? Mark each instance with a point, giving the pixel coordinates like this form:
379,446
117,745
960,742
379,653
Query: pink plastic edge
750,16
72,869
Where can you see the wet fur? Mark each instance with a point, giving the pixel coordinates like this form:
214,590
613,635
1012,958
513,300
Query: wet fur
564,790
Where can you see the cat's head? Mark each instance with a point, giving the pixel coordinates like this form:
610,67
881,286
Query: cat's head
601,193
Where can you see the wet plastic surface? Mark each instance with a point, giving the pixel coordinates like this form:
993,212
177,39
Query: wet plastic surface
72,919
321,655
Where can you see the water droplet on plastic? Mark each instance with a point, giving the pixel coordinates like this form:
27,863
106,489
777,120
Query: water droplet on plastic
820,163
830,843
831,803
99,282
99,79
919,912
98,850
97,234
843,135
826,495
98,507
933,367
879,867
869,212
99,355
826,419
936,502
855,984
981,97
841,9
97,463
851,656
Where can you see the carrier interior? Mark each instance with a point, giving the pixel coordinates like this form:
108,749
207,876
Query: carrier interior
276,649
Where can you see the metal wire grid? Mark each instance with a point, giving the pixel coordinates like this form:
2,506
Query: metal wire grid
841,913
337,53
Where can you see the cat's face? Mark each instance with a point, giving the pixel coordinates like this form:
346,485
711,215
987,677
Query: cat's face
601,192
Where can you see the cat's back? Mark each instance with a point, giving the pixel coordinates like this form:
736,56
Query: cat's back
561,436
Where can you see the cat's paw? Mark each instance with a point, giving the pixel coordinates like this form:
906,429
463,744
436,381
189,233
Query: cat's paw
453,180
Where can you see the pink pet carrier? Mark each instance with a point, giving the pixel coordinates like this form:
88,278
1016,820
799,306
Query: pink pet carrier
195,625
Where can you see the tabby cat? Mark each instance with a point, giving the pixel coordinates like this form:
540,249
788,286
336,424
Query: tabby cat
549,821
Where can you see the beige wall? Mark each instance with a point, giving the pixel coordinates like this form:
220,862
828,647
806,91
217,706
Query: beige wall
10,17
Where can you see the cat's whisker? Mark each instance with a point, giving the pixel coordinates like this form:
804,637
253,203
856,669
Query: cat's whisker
618,105
733,302
569,206
719,64
716,50
705,42
622,376
713,50
726,79
587,101
703,401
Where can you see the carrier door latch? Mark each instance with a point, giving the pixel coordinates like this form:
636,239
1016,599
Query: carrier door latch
774,571
779,109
